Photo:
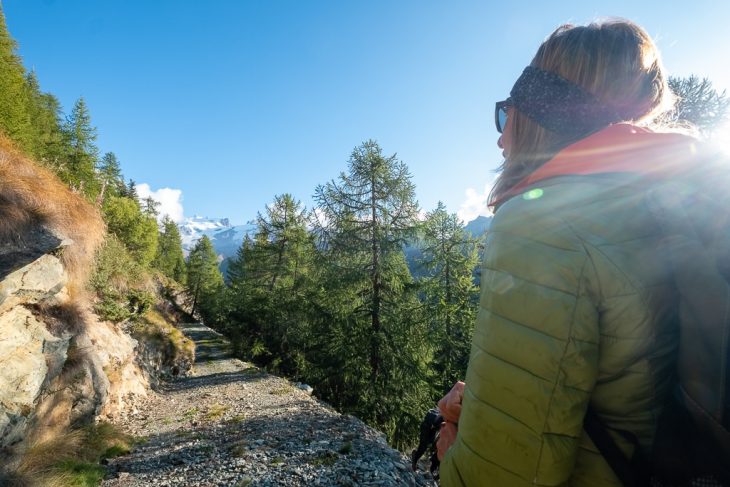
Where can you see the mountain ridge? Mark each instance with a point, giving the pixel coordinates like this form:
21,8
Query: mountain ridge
227,238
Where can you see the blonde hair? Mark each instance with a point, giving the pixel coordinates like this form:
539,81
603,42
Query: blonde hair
616,61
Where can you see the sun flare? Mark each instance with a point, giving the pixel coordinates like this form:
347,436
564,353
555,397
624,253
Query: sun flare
721,138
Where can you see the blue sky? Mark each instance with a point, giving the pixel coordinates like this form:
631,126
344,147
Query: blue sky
232,102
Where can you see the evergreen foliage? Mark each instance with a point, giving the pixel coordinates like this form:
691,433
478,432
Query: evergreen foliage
117,281
449,293
131,190
80,170
204,285
14,116
48,141
373,343
135,229
150,207
698,104
110,176
270,282
169,259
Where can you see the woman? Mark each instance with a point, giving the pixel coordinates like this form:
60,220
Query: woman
577,307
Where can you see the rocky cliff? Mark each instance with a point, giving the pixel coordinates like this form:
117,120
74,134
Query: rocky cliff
60,366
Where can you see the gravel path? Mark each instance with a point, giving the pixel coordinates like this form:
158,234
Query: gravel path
231,424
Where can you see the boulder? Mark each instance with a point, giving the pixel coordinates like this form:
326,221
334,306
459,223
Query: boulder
29,356
39,280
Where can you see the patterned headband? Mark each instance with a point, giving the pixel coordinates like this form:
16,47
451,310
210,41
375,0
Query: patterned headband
559,105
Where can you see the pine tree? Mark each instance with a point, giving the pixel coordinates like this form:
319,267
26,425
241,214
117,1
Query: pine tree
48,143
110,176
169,259
449,293
205,283
131,191
137,231
371,337
242,313
150,207
698,104
14,116
80,172
283,239
269,281
236,272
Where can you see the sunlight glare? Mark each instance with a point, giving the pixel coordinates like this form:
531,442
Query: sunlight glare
721,137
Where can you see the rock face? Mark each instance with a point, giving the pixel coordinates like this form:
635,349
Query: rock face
29,353
118,354
28,245
59,365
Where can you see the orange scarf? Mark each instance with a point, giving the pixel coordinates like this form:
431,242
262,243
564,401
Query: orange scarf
619,148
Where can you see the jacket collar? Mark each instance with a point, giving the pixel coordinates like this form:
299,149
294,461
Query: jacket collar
619,148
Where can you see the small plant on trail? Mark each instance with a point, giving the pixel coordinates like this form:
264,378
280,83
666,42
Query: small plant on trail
327,458
345,448
281,391
237,419
238,449
190,413
216,411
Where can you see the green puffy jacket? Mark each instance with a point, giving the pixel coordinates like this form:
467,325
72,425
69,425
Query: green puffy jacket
576,308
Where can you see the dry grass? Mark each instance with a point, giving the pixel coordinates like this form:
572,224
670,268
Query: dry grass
60,318
32,195
71,458
39,459
163,330
155,332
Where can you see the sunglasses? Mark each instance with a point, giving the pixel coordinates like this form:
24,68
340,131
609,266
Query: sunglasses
500,113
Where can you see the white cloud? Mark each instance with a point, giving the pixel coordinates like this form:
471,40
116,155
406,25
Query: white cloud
170,200
475,203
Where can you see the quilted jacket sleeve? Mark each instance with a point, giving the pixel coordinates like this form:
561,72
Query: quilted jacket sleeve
534,356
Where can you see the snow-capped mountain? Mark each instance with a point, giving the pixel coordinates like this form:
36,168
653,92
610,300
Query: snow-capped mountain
226,238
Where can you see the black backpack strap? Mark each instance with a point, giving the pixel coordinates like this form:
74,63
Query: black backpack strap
427,439
625,469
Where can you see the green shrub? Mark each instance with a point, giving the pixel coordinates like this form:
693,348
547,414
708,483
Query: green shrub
140,301
136,230
120,283
110,309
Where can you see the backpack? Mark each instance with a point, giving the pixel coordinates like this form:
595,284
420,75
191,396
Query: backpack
692,441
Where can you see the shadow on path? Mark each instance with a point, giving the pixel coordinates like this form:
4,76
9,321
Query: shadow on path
276,450
209,380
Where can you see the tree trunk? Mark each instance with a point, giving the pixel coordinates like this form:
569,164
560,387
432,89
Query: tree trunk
375,278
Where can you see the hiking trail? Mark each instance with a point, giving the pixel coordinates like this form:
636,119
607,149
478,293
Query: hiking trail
231,424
